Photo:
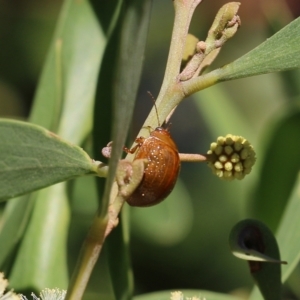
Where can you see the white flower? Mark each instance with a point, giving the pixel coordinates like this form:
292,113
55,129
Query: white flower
179,296
49,294
10,295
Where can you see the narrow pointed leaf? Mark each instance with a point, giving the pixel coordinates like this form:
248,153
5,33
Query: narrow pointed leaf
279,167
116,93
81,54
278,53
15,217
41,260
289,238
133,37
119,80
32,158
67,85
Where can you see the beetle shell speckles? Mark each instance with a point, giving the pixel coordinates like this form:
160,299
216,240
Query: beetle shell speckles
162,170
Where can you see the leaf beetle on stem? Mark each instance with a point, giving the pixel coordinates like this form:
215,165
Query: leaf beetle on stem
162,170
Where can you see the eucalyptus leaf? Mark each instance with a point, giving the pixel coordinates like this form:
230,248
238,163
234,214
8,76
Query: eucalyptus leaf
32,157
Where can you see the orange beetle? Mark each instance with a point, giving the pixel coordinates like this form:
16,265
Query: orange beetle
162,170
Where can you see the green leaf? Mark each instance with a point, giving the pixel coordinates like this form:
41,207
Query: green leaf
32,158
67,86
279,168
278,53
82,54
165,295
288,238
119,80
133,37
118,84
41,260
14,220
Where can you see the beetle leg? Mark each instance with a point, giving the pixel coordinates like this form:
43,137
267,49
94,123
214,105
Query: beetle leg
140,140
149,128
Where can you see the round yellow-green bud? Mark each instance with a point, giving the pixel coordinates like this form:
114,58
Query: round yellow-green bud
231,157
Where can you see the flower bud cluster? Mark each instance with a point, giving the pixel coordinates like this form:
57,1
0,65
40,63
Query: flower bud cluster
231,157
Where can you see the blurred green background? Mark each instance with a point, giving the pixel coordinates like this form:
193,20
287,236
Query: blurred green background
182,243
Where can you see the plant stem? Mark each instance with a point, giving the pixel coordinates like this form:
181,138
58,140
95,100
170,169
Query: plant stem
171,93
188,157
88,257
193,85
183,14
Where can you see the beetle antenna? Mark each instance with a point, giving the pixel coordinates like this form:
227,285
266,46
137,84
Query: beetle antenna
168,126
153,99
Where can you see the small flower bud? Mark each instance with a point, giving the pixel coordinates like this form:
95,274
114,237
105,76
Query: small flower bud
228,166
218,150
228,150
235,158
231,157
222,158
